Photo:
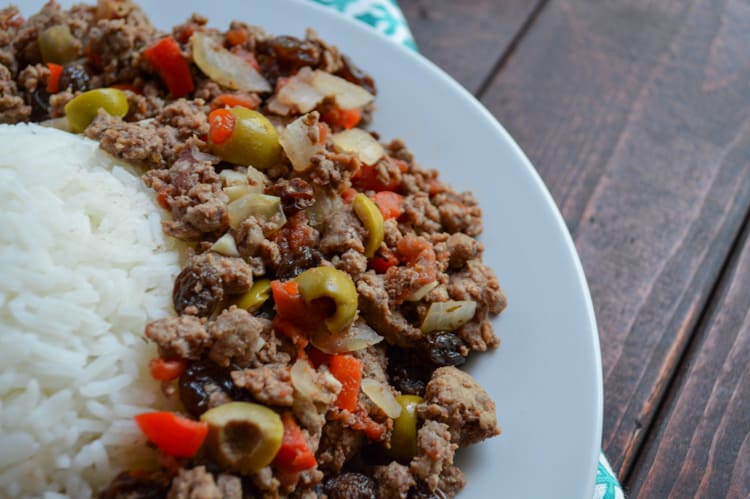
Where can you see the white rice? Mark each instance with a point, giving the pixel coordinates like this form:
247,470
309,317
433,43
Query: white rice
83,267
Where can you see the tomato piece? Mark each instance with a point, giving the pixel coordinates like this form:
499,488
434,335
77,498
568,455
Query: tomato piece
390,204
173,434
166,370
383,260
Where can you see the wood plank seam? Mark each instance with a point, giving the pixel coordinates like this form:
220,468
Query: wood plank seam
669,395
506,54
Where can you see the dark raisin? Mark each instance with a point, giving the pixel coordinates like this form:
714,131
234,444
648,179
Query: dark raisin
353,74
296,262
296,195
420,493
197,286
199,381
145,485
444,349
284,55
75,78
39,101
350,486
407,371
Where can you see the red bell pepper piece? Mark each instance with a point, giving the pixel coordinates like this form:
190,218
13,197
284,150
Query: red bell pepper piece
249,101
348,370
294,455
53,82
383,260
166,370
166,58
221,125
390,204
342,118
173,434
366,179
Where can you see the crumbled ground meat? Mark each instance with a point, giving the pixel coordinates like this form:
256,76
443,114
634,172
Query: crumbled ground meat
230,486
420,214
350,486
236,275
343,231
455,398
461,249
351,261
434,454
12,106
459,212
179,337
393,481
478,282
270,384
235,333
373,304
118,44
188,117
195,483
33,76
338,444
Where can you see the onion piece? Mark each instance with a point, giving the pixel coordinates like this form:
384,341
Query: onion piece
448,315
325,204
296,140
422,292
224,67
256,179
361,143
275,106
234,192
226,246
347,94
61,123
233,177
358,336
298,92
303,379
382,396
259,205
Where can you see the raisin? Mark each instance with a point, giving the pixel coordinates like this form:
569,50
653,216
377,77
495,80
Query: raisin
199,381
444,349
353,74
197,286
295,262
350,486
145,485
407,371
39,101
296,195
75,78
285,55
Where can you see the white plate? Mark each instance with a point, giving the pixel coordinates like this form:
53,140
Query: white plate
546,375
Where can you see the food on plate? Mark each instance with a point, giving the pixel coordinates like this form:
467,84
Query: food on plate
329,291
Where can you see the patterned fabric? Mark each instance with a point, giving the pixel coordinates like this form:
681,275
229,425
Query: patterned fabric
386,17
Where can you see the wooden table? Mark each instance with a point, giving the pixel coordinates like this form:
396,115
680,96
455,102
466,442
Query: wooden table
637,115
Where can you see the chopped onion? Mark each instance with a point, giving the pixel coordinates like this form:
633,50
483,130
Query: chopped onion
259,205
297,142
298,92
325,204
276,107
303,379
347,94
233,177
234,192
358,336
256,179
382,396
422,292
225,245
59,123
361,143
224,67
448,315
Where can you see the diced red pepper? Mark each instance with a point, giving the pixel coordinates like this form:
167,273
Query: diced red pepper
390,204
339,117
166,58
173,434
250,101
53,82
348,370
221,125
348,195
294,455
366,179
317,357
237,36
383,260
289,302
166,370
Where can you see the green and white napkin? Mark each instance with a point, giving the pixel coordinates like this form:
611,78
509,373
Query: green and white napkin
386,17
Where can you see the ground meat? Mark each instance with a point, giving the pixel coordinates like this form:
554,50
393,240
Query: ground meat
455,398
235,333
434,454
179,337
338,444
393,481
142,107
420,214
143,144
236,275
194,483
459,212
118,44
310,410
352,262
142,485
12,106
391,233
373,304
333,169
479,334
462,248
230,486
58,101
33,76
350,486
271,384
188,117
296,243
343,231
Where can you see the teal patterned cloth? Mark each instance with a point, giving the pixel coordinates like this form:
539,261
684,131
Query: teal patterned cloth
386,17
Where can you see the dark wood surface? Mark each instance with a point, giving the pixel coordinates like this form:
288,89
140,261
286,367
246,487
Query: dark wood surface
637,115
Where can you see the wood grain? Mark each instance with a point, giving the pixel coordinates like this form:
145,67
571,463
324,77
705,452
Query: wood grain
466,38
637,115
702,445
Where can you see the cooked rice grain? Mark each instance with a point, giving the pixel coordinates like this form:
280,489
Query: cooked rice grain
84,267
